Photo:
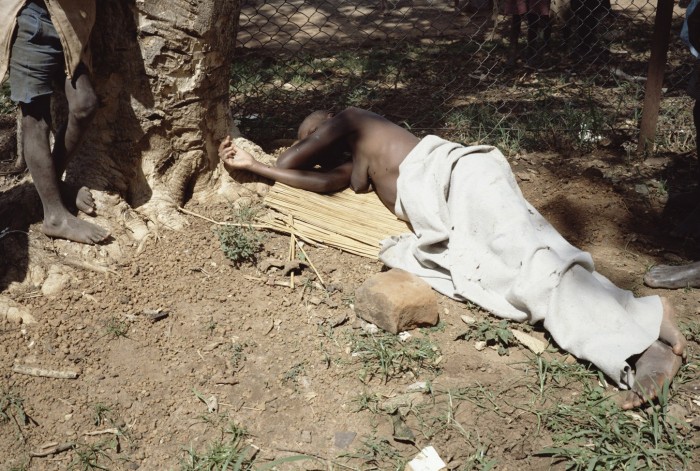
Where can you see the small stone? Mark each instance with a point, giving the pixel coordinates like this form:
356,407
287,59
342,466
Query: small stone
524,176
642,189
480,345
677,411
315,300
343,440
55,284
305,436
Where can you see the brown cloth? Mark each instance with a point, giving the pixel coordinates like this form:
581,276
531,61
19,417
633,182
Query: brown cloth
73,20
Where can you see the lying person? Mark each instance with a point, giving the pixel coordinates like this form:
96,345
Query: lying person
476,238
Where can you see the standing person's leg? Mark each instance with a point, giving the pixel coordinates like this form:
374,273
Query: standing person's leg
584,12
82,105
58,221
513,38
36,60
684,276
532,49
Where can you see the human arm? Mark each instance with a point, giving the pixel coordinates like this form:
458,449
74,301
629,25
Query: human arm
317,181
325,147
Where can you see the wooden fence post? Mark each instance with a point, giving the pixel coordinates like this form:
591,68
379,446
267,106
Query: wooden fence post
655,76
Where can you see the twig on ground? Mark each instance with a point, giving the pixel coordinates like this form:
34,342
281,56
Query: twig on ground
253,278
290,231
292,250
112,431
87,266
320,278
43,373
270,227
237,224
54,450
318,457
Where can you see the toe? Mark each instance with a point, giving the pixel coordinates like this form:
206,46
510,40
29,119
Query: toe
629,400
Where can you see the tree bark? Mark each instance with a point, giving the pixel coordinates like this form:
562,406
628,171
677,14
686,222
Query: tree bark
162,72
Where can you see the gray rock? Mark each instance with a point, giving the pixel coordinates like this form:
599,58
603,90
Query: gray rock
343,439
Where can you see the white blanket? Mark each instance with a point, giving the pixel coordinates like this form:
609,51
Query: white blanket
476,238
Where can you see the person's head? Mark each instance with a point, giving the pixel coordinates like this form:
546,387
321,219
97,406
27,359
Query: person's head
312,122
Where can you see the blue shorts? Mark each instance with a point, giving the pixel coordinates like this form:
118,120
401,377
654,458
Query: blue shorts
36,60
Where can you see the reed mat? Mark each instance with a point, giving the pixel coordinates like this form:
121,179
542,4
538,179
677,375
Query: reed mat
355,223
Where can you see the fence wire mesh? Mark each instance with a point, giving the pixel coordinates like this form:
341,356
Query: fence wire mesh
454,68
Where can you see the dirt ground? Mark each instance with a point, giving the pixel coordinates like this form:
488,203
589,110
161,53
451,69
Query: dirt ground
282,362
174,323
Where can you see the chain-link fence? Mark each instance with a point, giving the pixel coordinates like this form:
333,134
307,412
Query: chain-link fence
456,69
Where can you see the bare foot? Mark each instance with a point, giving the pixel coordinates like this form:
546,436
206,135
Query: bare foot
669,332
71,228
84,201
81,198
656,366
672,277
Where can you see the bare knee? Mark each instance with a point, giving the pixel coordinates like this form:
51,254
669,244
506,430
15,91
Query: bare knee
84,106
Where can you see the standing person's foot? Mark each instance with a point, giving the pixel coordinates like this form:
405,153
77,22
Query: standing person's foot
78,197
71,228
655,367
673,276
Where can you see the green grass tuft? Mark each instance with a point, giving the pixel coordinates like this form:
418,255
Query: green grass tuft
241,242
384,355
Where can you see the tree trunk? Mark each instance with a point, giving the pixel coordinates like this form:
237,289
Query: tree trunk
162,72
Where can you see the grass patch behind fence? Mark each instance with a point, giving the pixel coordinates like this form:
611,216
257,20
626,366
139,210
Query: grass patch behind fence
456,88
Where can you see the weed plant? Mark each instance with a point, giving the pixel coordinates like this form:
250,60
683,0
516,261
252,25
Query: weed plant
241,242
228,453
232,453
90,457
116,328
493,334
384,355
379,453
102,413
594,433
12,410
